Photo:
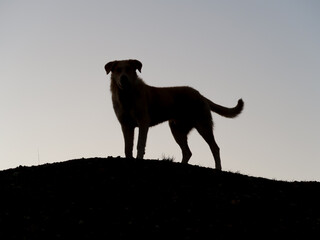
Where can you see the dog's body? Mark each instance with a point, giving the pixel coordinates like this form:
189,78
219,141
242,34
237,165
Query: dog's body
137,104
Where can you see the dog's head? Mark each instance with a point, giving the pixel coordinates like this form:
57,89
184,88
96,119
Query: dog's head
123,73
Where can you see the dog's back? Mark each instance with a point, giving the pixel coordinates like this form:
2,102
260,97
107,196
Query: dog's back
174,103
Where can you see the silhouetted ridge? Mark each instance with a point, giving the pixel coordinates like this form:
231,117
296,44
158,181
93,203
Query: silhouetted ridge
116,198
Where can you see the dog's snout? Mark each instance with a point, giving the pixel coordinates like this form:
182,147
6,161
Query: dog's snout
124,79
124,82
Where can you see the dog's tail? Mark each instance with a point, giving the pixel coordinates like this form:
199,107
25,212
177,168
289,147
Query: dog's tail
227,112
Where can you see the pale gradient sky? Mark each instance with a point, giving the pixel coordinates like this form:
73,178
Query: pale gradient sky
55,98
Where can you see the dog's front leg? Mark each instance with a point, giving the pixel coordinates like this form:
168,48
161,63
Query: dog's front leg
143,132
128,134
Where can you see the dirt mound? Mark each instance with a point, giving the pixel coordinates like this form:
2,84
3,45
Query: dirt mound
118,198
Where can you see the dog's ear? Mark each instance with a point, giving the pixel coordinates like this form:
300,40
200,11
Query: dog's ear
136,64
110,66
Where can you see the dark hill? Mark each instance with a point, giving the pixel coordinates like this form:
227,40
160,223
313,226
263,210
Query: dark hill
117,198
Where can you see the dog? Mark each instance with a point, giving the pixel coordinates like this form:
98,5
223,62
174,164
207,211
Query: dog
137,104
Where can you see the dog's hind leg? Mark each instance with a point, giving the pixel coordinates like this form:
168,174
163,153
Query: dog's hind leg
180,134
206,131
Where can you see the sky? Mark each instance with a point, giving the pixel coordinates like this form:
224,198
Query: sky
55,98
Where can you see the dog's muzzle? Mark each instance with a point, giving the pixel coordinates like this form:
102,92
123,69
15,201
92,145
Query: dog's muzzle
124,82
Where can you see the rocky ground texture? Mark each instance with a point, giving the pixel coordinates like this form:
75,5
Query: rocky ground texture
117,198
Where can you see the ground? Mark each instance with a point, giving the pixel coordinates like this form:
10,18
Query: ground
119,198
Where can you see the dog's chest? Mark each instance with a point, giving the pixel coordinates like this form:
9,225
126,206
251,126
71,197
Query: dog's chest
126,100
125,106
